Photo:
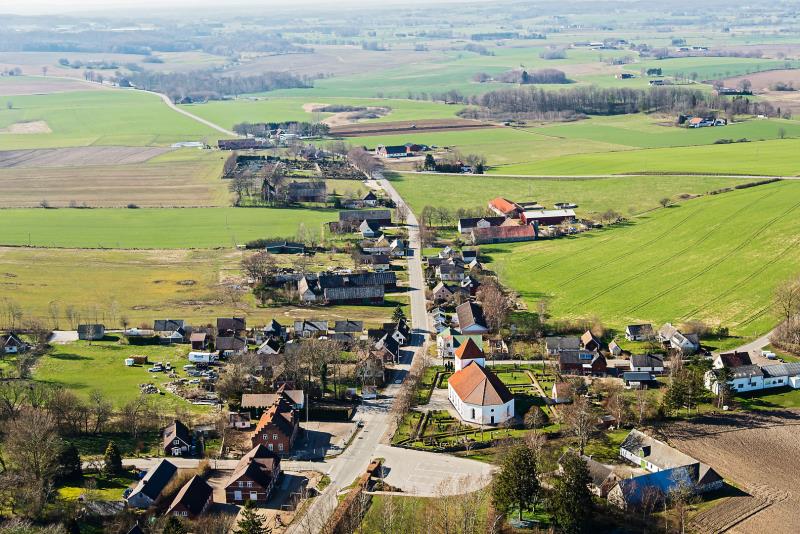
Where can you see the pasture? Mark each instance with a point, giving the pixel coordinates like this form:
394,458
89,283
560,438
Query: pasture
154,228
628,195
143,285
776,157
716,259
711,68
112,177
111,117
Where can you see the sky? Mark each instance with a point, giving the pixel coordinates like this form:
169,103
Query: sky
43,7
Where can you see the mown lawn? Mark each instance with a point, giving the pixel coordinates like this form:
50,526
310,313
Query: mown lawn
82,367
98,487
155,228
716,259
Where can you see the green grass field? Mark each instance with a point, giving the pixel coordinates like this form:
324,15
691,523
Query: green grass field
112,117
276,109
778,157
82,368
154,228
716,259
712,68
643,131
142,285
628,195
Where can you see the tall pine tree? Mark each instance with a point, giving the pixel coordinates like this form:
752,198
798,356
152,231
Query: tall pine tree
571,500
112,460
251,522
516,485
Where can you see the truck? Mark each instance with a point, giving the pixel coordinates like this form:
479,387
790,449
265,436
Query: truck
202,357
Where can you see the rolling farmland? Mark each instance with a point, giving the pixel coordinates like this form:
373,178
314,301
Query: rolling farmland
629,195
154,228
112,117
716,259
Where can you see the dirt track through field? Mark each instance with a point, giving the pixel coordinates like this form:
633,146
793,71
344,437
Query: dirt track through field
758,452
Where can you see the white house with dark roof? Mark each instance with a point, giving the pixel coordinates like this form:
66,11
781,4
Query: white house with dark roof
649,363
471,319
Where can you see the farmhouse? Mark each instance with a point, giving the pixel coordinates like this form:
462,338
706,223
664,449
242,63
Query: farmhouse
614,349
177,440
349,221
502,234
547,217
91,332
231,326
638,380
394,151
468,224
638,332
581,362
471,319
254,477
193,499
649,363
748,377
231,346
278,426
149,489
505,207
479,396
387,348
668,467
11,344
673,338
171,330
199,340
589,341
310,328
307,191
555,345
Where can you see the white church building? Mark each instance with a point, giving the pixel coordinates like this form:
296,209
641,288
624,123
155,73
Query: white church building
477,394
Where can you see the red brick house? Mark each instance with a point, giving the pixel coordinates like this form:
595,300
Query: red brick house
582,362
254,477
193,499
278,427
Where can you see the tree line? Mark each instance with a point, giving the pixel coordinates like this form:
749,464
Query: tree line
303,129
199,86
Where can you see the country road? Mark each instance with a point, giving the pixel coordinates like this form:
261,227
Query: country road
192,116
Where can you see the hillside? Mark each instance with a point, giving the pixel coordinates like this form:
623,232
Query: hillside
717,259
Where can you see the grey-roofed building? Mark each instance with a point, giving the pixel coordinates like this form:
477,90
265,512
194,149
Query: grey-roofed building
149,489
639,332
229,346
650,363
354,295
556,344
348,327
310,328
637,380
669,468
471,319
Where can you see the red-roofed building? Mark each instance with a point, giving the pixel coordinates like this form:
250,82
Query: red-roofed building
278,427
467,353
506,208
479,396
503,234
